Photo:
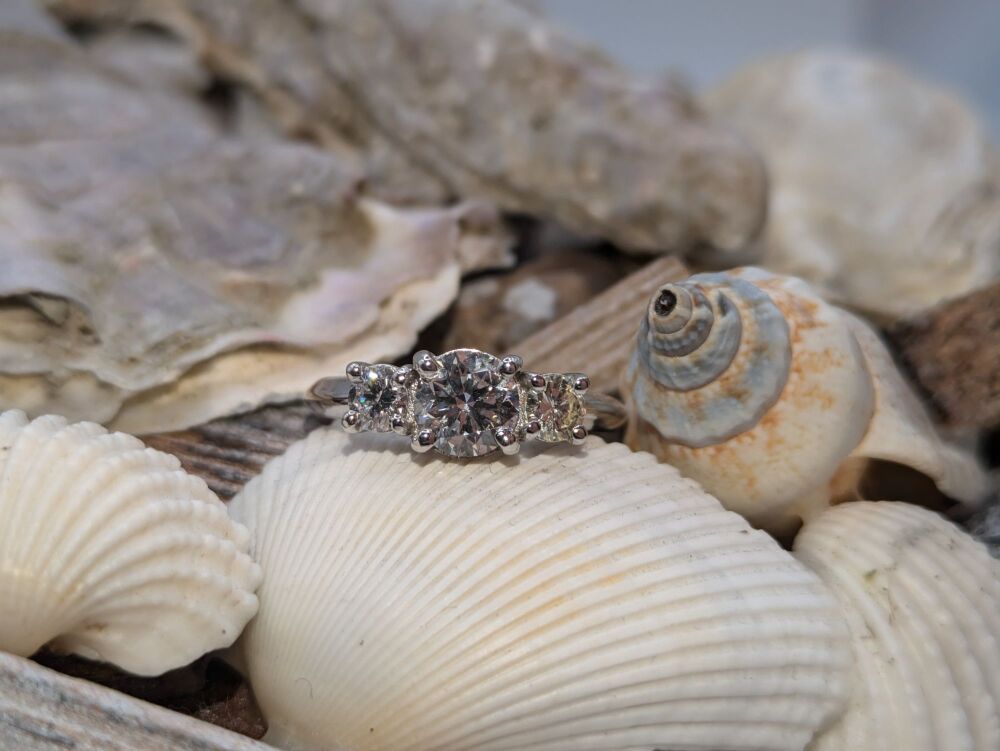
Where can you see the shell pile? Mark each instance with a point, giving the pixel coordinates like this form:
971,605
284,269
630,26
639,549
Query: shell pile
109,550
922,601
776,401
587,598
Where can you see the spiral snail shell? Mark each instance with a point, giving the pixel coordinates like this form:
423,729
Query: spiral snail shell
753,385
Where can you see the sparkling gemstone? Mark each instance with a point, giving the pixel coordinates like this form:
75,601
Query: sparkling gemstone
376,398
556,407
466,403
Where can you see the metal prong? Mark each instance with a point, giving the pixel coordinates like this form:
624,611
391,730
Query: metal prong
532,428
537,381
578,435
507,441
398,424
423,441
403,375
351,421
580,383
510,365
426,364
355,370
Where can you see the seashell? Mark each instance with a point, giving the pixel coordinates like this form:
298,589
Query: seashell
922,601
576,599
110,551
210,272
776,401
884,190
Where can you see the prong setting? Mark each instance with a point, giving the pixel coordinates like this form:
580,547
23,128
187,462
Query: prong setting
510,365
404,375
398,424
532,428
351,421
536,381
507,441
580,383
426,364
423,441
578,434
355,371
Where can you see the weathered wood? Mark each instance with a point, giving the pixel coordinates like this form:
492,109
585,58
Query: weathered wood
953,351
228,452
41,710
596,338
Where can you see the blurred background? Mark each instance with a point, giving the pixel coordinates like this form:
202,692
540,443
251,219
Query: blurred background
956,43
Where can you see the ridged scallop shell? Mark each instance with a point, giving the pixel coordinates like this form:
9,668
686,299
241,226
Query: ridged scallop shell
584,598
922,600
774,400
109,550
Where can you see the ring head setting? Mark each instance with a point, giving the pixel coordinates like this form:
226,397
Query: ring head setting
466,403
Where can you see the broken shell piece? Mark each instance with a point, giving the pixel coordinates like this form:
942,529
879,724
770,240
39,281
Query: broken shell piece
110,551
885,190
753,385
922,601
587,598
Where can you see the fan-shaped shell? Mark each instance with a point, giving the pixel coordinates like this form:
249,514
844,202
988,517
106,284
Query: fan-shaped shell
779,425
575,599
922,600
109,550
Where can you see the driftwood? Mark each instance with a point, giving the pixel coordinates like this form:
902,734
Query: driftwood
596,337
477,99
953,352
41,710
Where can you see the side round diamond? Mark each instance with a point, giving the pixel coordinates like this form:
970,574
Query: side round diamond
376,398
556,407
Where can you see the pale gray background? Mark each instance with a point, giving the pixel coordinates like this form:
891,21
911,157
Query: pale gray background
954,43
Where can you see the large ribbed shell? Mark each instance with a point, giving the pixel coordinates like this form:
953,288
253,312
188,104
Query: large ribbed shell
574,599
109,550
922,600
772,426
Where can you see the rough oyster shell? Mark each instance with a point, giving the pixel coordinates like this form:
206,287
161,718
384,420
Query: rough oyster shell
922,600
110,551
586,598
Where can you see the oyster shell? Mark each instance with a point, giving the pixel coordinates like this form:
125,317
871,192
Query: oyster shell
151,260
922,600
884,190
110,551
776,401
580,599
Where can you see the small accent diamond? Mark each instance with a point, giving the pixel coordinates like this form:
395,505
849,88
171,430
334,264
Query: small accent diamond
556,406
376,398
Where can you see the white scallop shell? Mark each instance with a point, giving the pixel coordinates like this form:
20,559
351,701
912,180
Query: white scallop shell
109,550
922,600
576,599
788,419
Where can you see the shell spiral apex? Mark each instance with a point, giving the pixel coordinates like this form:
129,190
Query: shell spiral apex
588,599
776,401
922,601
109,550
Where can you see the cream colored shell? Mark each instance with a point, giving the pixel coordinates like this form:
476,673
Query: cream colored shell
793,417
922,600
109,550
885,190
576,599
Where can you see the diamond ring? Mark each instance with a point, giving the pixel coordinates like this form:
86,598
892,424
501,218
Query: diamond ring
467,403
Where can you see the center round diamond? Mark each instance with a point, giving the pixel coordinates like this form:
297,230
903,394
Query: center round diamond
465,403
